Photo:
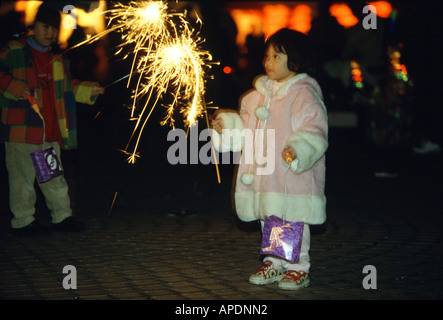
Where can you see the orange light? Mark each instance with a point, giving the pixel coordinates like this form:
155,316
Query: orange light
93,21
403,69
343,14
248,21
29,8
275,18
383,8
227,70
354,64
301,18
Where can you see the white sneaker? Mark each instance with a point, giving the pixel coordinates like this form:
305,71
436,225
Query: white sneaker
294,280
267,273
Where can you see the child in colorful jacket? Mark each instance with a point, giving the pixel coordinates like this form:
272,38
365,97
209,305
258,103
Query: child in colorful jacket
284,115
29,70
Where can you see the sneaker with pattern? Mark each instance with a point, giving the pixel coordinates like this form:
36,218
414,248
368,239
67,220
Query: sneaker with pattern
294,280
267,273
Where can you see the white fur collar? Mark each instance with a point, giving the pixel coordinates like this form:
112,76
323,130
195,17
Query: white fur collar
263,83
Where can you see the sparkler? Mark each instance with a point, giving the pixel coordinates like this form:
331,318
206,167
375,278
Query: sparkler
177,65
167,58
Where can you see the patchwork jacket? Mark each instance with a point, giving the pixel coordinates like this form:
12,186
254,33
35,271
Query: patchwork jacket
19,123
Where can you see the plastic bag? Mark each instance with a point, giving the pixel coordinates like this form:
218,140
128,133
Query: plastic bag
282,238
46,164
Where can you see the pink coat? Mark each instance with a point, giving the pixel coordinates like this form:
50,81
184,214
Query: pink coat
296,117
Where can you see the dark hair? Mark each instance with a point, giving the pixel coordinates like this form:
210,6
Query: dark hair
48,15
297,46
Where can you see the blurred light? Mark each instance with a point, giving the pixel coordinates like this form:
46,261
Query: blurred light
29,8
248,21
93,21
357,78
275,18
399,70
343,14
354,64
301,18
227,70
383,8
263,19
403,69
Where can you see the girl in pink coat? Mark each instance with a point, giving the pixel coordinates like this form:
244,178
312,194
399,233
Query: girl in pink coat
281,129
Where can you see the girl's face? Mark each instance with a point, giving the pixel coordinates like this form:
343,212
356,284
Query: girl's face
44,34
276,65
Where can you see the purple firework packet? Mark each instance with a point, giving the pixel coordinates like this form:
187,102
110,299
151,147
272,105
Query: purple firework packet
46,164
282,238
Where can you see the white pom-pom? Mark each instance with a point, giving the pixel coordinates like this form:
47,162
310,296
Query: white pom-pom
247,178
262,113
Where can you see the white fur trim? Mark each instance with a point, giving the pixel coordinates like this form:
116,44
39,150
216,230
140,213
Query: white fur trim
262,84
309,149
232,137
252,206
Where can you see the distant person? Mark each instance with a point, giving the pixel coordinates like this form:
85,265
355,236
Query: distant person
288,101
28,68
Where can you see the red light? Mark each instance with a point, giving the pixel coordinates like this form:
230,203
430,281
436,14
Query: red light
227,70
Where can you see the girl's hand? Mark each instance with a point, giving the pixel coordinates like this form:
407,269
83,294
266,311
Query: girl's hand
288,154
217,125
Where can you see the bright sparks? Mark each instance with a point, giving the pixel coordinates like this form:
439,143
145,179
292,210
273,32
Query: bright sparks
166,59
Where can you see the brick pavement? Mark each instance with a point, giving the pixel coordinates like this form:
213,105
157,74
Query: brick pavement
145,249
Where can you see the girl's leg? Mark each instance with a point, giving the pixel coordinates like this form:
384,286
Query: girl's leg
277,262
304,263
297,274
270,271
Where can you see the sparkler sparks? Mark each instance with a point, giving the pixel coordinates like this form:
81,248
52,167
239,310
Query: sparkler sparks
167,58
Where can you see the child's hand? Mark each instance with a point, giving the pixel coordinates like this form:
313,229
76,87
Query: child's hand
96,90
288,154
218,125
26,92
